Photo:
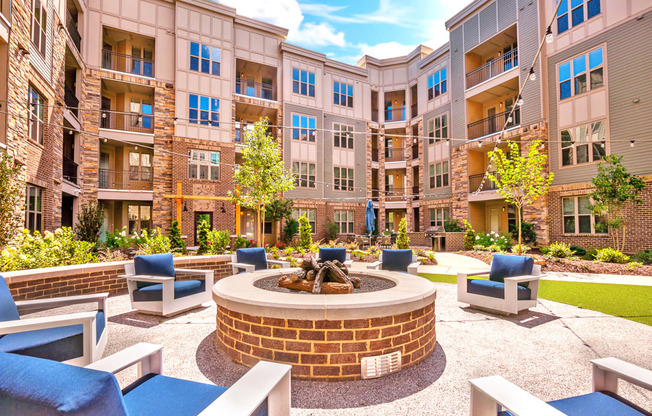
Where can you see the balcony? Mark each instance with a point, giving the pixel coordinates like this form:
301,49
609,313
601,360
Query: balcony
415,151
73,31
69,170
492,68
414,110
394,154
121,62
395,114
134,122
374,155
392,192
475,181
255,89
493,124
415,192
71,100
134,179
374,115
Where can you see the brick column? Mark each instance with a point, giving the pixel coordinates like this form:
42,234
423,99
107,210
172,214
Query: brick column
460,182
162,161
537,213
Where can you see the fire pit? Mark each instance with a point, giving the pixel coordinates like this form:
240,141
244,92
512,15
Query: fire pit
325,336
321,277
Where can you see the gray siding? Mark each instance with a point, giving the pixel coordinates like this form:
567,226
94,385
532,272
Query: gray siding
488,18
458,130
43,64
529,36
471,31
359,147
441,193
629,49
506,13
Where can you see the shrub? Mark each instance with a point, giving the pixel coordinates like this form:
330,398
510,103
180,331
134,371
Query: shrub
290,230
590,254
610,255
289,251
89,222
241,242
493,248
402,239
644,256
491,239
633,265
176,242
522,250
359,254
558,250
469,235
11,189
155,244
528,232
579,251
305,232
453,226
202,237
217,241
118,240
332,229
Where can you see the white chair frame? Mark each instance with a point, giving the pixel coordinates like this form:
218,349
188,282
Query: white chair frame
510,303
235,266
412,267
168,305
92,349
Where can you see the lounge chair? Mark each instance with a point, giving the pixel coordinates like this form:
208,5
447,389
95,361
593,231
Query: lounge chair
396,260
339,254
252,259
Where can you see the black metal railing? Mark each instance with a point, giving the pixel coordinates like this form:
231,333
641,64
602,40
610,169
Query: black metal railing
255,89
126,63
69,170
374,155
395,114
374,115
492,68
73,31
394,154
117,120
414,110
137,178
375,193
415,151
415,192
475,182
393,192
493,124
71,100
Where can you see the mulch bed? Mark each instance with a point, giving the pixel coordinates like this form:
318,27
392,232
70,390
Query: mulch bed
571,266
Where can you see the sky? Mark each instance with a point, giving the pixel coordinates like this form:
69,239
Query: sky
347,30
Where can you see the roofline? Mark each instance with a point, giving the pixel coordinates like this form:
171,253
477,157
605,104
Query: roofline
445,48
265,27
212,6
331,63
397,60
298,50
464,13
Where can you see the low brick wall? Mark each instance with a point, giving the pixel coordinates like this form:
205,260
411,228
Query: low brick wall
326,349
419,239
94,278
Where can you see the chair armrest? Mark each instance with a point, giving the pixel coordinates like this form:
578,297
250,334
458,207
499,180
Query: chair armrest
482,273
33,324
374,265
412,268
248,267
149,358
283,264
488,392
28,305
521,279
147,278
607,371
193,271
348,263
265,380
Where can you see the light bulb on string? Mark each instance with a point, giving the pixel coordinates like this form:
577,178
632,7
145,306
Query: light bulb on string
631,143
549,37
519,101
533,76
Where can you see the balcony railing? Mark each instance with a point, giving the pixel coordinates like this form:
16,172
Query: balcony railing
375,193
116,120
135,179
395,114
415,192
475,181
374,155
126,63
71,25
492,68
69,170
414,110
255,89
394,154
71,100
374,115
393,192
493,124
415,151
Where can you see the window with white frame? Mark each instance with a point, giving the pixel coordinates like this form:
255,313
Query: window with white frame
578,13
343,179
303,128
584,144
343,136
39,24
437,128
437,84
438,216
203,164
303,82
581,74
310,214
36,115
578,218
204,110
438,175
140,218
344,220
342,94
34,208
204,58
304,174
140,166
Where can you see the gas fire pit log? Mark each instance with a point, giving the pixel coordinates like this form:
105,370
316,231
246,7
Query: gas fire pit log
330,277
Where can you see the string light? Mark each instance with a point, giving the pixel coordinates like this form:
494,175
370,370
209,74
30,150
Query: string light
549,37
519,101
631,143
533,76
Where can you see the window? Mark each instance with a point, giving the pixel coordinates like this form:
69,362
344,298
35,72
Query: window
140,218
141,61
304,174
203,164
343,178
437,129
304,128
584,79
311,214
204,58
34,209
140,166
343,136
583,144
437,84
438,216
578,218
438,175
204,109
141,116
39,23
36,115
344,220
303,82
577,13
342,94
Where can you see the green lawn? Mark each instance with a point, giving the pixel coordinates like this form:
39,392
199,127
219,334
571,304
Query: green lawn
626,301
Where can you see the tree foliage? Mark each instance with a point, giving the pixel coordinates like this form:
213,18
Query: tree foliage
202,237
279,209
11,191
305,232
176,242
89,222
615,190
402,239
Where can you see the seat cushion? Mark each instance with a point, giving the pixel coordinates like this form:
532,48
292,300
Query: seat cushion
594,404
255,256
396,260
154,265
503,266
58,344
495,289
182,288
33,386
332,254
8,310
159,395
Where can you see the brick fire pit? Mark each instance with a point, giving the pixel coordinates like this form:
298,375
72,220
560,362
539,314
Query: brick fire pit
324,337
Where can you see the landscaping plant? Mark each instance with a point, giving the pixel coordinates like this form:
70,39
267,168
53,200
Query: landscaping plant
558,250
492,240
156,243
218,241
469,235
523,249
290,230
11,189
176,242
610,255
89,222
644,256
305,232
402,239
528,233
202,237
332,229
118,240
453,226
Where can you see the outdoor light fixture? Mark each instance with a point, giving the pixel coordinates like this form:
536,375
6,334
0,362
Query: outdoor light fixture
105,140
223,210
549,37
533,76
175,121
185,207
519,101
631,143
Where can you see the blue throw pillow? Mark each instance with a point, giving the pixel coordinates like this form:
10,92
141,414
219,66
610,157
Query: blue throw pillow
504,266
154,265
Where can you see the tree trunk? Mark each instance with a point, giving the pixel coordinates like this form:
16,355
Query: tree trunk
518,217
257,228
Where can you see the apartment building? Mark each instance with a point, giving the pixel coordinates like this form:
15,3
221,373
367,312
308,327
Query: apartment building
144,106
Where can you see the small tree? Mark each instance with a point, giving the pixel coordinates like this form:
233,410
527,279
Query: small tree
332,229
305,232
402,239
176,242
278,210
261,175
11,191
520,179
290,230
202,237
615,190
89,222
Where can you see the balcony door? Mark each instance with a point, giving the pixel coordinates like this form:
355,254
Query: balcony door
104,170
492,120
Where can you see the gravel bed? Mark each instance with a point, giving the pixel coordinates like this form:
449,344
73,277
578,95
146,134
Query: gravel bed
367,284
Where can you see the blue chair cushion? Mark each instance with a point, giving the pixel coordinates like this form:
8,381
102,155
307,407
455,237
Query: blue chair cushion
255,256
158,395
154,265
182,288
8,310
58,344
495,289
593,404
33,386
396,260
503,266
332,254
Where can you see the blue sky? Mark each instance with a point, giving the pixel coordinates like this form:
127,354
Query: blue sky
346,30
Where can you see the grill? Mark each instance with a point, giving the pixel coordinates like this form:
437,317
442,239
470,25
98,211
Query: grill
438,237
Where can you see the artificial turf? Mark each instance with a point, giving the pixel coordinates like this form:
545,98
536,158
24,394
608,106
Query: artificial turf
625,301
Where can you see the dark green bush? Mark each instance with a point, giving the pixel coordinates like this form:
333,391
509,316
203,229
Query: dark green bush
528,233
453,226
590,254
644,257
579,251
291,229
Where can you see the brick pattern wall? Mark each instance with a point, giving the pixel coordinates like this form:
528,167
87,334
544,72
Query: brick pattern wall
326,350
537,213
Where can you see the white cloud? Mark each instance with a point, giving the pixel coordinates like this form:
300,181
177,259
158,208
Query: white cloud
317,34
387,12
435,33
284,13
386,50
